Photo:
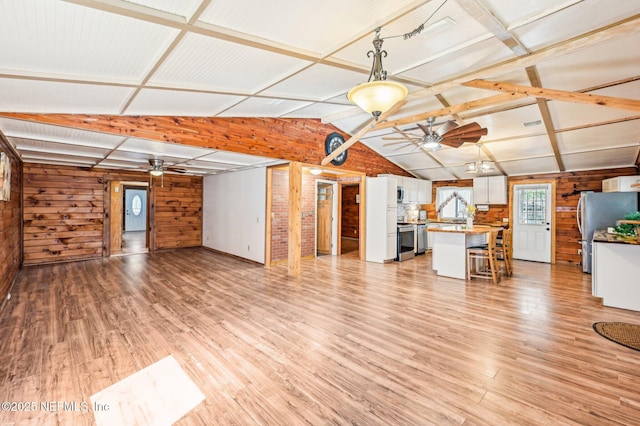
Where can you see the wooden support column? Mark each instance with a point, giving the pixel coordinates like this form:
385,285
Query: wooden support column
295,219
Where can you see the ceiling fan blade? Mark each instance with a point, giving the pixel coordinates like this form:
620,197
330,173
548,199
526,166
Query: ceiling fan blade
446,127
473,134
457,142
463,129
175,169
425,129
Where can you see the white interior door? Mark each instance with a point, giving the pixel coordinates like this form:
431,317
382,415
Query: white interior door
135,213
532,222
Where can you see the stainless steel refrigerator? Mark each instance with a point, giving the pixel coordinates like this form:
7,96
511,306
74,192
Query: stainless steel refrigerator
600,210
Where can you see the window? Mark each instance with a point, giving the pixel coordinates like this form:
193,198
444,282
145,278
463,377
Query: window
532,208
449,200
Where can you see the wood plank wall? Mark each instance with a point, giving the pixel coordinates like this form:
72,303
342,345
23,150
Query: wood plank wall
350,212
567,234
10,224
290,139
64,211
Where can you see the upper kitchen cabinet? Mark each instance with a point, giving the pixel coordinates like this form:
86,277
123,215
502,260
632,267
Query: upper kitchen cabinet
416,191
424,191
490,190
621,184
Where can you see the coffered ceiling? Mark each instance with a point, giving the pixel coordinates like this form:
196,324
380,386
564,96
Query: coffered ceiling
298,59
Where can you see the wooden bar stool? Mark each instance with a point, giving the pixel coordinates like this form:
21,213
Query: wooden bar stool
504,251
482,262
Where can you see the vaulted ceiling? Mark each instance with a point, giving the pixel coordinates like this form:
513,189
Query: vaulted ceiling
297,59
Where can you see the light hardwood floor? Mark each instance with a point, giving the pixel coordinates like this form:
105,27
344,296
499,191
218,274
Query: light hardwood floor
348,342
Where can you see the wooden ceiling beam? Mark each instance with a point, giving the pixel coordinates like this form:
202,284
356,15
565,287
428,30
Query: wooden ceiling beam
363,131
467,106
558,95
534,78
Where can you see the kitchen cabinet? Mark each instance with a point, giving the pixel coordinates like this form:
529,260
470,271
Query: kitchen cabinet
615,274
410,186
490,190
621,184
381,219
416,191
423,192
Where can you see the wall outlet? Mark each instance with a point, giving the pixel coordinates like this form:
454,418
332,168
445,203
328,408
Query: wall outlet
580,251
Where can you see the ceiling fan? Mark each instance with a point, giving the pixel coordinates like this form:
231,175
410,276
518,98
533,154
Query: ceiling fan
449,133
157,167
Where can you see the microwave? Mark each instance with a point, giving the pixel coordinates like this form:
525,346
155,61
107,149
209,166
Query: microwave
400,194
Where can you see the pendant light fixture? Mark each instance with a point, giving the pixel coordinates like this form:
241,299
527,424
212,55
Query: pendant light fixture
377,96
479,166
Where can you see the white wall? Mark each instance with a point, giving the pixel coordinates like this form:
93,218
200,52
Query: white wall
234,208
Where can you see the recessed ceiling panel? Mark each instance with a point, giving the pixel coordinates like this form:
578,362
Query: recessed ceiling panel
601,63
520,148
433,174
614,135
531,166
573,21
466,60
31,145
51,133
264,107
511,123
18,95
173,102
604,159
160,149
204,62
328,26
62,39
318,82
184,8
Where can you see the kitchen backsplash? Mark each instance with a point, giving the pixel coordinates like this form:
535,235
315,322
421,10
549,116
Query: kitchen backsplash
411,211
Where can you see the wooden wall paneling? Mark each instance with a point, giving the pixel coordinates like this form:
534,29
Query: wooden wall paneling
63,220
295,219
11,211
350,211
292,139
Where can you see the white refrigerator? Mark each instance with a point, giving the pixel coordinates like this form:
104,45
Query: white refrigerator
381,218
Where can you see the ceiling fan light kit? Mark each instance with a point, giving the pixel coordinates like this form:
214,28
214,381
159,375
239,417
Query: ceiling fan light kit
379,95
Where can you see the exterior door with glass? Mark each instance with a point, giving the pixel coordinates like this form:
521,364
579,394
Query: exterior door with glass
135,204
532,222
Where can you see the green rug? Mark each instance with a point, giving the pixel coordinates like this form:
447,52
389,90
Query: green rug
622,333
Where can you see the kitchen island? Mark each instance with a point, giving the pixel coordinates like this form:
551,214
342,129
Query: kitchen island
616,270
450,242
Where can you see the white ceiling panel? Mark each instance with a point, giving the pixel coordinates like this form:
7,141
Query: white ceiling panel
141,158
433,174
160,149
605,62
54,97
235,158
318,109
121,164
510,13
184,8
378,145
208,165
31,145
461,61
520,148
318,82
574,21
222,65
510,123
264,107
35,36
609,158
417,160
614,135
43,156
67,135
173,102
531,166
456,156
328,26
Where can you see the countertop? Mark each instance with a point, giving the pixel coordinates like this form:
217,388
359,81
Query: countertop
602,236
462,229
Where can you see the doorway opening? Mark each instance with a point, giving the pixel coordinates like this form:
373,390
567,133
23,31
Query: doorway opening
350,218
326,218
129,224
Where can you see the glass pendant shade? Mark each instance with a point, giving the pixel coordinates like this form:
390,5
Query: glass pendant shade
376,97
155,172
